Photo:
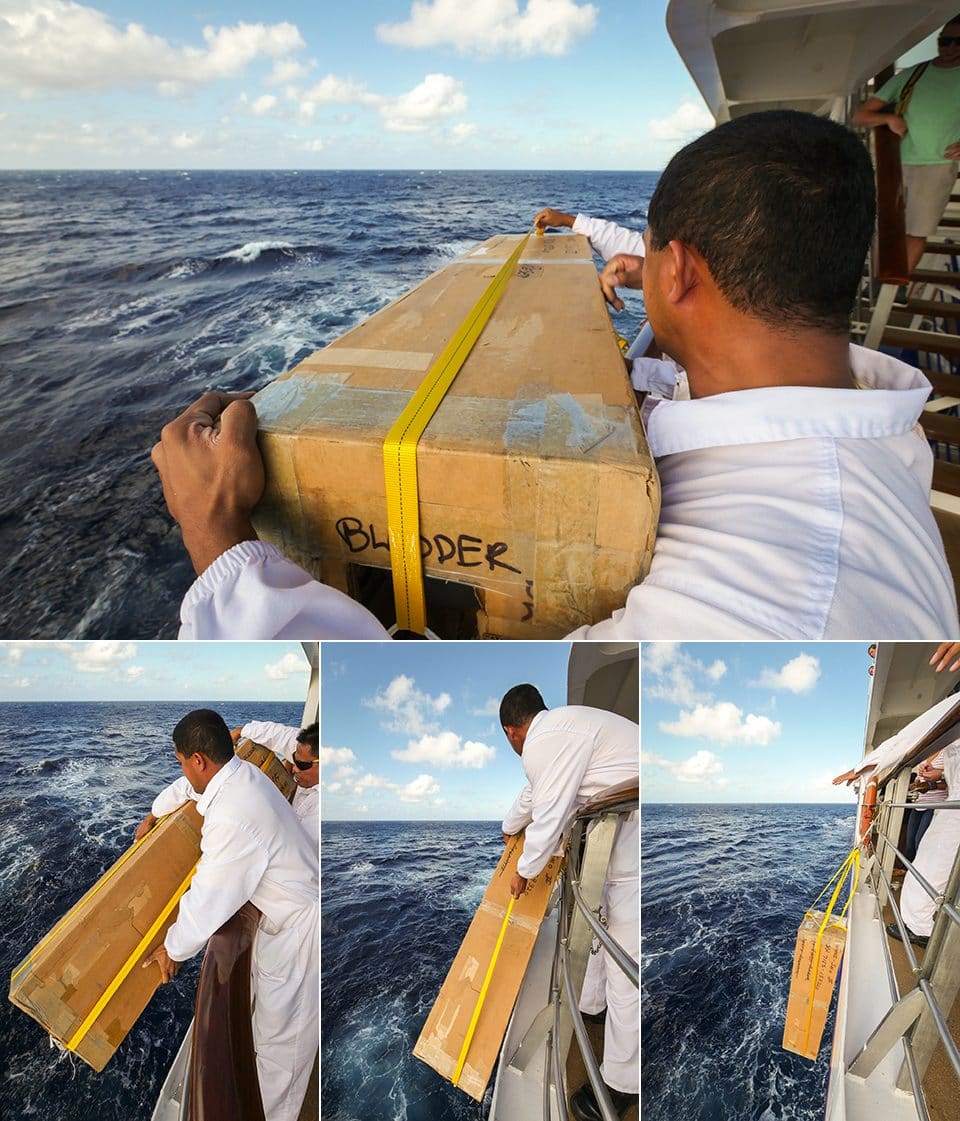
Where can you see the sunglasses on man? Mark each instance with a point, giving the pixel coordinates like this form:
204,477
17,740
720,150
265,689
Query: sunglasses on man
304,764
948,41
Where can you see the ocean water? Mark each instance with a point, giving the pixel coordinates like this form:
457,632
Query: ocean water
396,899
724,890
75,781
125,295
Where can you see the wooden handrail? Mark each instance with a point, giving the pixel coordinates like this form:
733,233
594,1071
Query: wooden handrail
891,256
223,1066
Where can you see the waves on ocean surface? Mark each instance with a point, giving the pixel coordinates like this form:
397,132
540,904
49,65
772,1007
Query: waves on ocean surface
76,780
724,890
125,295
396,900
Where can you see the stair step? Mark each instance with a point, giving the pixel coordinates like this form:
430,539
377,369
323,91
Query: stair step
932,342
946,477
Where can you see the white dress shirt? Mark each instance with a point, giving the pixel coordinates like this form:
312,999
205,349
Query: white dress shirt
607,238
282,741
787,513
936,854
253,848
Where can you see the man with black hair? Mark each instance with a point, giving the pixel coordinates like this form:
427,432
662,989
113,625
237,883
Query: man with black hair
921,105
795,481
253,849
299,748
570,755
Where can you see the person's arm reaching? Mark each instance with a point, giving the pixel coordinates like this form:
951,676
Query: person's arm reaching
873,113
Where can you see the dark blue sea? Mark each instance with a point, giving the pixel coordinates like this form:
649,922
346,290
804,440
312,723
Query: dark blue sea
125,295
75,780
724,890
396,899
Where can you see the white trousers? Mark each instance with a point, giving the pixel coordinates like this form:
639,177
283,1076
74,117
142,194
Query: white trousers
605,985
286,1025
934,860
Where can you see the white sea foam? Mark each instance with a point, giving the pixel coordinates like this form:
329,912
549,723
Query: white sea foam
362,866
248,253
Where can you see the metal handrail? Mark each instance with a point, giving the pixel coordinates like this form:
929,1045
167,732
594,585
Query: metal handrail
947,914
572,902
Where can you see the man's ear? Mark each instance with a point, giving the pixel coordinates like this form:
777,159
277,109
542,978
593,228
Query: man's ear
681,272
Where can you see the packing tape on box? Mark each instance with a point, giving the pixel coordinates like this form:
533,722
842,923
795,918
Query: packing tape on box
400,452
77,1038
850,866
468,1038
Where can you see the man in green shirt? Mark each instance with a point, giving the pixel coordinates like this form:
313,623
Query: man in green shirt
930,131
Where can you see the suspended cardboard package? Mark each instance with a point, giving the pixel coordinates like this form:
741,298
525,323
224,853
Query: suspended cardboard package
538,497
816,962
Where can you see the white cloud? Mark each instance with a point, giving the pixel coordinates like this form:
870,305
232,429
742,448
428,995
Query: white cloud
493,27
331,90
446,750
332,755
490,708
285,70
723,723
187,140
264,104
419,790
134,672
799,675
412,709
717,670
668,674
313,145
21,683
685,123
703,767
290,665
373,782
97,657
462,131
59,45
438,96
334,787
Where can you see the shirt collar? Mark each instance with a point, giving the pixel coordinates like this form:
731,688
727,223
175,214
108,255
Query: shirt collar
759,416
228,769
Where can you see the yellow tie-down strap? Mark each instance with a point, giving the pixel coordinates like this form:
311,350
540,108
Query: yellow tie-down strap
468,1038
80,1034
400,453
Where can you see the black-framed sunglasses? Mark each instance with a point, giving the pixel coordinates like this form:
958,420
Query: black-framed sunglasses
304,764
948,41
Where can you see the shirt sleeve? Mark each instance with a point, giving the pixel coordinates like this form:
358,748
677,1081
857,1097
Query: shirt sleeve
519,815
172,797
232,863
890,91
556,768
607,238
253,591
280,738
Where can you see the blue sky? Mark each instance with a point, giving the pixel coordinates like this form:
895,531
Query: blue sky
410,730
153,671
491,84
751,722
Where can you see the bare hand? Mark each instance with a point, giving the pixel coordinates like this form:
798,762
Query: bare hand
952,152
847,776
212,474
507,838
622,271
945,651
144,827
897,125
518,885
168,967
553,218
235,734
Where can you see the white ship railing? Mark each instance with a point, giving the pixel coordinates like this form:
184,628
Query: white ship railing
919,1017
581,891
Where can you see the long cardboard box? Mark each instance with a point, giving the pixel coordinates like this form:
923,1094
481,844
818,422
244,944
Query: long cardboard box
446,1027
64,977
809,1000
538,494
271,765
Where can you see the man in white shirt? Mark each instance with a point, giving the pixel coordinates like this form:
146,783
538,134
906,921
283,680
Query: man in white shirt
253,849
570,755
795,480
300,747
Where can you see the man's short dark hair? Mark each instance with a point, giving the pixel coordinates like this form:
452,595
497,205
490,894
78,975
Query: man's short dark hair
204,731
781,206
519,705
310,737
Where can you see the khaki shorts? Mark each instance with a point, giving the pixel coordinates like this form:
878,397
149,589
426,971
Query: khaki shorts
926,189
